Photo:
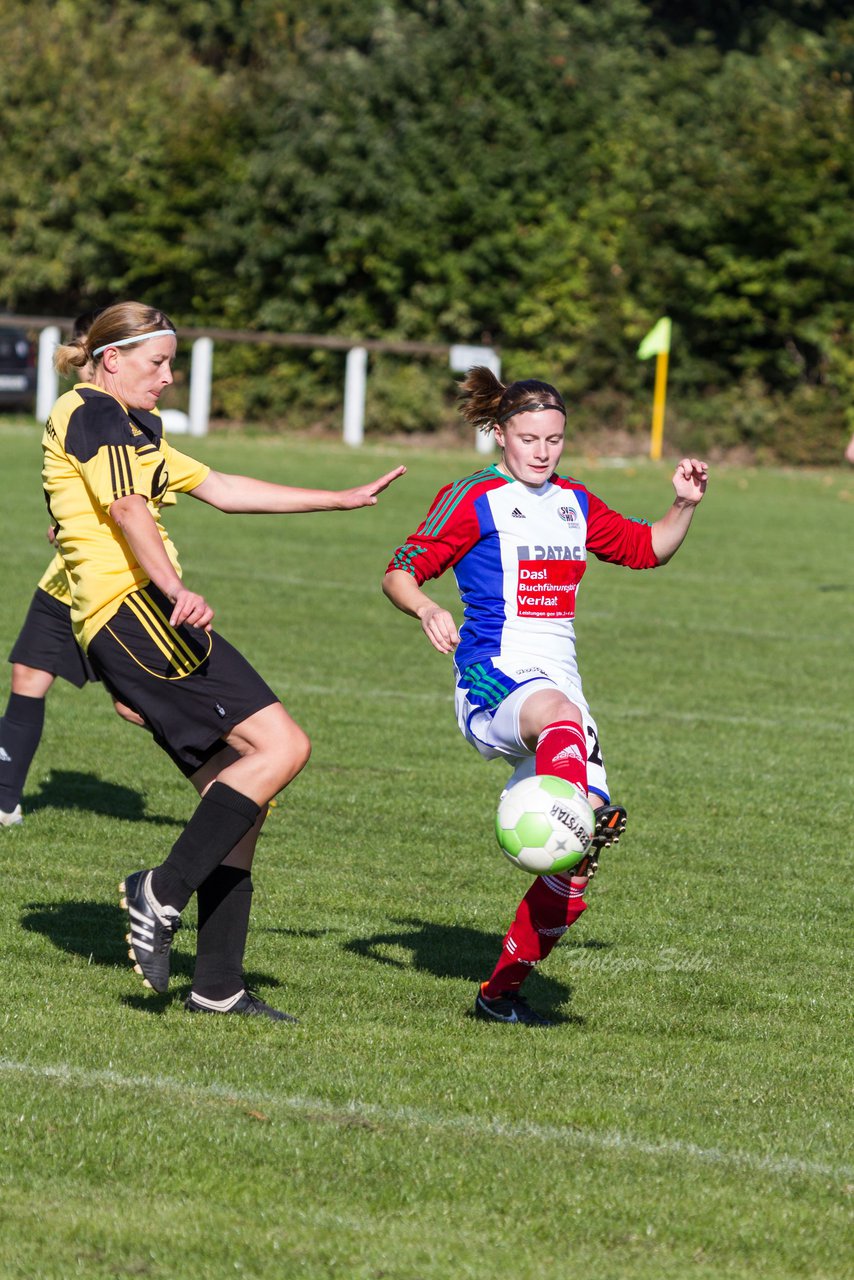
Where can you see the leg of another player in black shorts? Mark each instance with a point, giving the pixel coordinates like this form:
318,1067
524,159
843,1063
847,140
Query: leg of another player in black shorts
45,648
20,734
214,851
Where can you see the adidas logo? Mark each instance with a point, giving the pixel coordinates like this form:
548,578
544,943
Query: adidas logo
517,514
4,756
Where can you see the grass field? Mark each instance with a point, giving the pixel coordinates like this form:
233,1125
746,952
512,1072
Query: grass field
689,1116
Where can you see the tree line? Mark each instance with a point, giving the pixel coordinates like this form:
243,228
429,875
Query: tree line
548,178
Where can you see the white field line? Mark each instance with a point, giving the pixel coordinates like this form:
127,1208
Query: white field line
416,1118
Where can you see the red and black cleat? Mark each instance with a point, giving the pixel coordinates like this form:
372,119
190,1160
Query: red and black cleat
610,825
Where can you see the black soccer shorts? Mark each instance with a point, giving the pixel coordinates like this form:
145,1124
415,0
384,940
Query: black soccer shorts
191,687
46,642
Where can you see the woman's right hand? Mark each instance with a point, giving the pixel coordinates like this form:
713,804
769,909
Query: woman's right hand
192,609
439,627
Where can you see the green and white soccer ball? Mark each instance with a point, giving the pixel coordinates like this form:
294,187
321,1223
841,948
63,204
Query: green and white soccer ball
544,824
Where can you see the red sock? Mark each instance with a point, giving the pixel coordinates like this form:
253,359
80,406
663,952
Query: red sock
545,913
562,752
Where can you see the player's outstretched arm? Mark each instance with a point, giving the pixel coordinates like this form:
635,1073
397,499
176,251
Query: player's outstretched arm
689,483
437,623
245,495
138,529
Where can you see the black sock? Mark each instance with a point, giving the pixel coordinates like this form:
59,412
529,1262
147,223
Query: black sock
20,735
224,900
222,818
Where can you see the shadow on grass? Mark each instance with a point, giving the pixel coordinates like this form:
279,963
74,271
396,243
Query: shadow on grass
456,951
152,1002
96,931
69,789
299,933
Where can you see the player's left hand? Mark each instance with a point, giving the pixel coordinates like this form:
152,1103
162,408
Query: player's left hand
690,479
366,494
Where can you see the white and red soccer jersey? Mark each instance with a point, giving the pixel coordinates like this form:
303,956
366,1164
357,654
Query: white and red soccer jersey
518,555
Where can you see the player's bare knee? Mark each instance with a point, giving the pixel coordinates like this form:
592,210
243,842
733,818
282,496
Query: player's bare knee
30,682
282,757
296,749
543,708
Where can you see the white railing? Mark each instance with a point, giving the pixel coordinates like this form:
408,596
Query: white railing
460,357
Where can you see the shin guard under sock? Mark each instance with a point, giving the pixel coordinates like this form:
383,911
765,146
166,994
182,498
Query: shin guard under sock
224,901
545,913
20,735
562,752
222,818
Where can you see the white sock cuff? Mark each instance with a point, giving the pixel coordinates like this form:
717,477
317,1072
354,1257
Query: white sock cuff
218,1006
564,725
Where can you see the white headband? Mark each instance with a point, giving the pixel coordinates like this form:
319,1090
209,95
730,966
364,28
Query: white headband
126,342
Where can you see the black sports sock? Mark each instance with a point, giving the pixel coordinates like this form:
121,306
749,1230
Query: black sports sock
222,818
20,735
224,900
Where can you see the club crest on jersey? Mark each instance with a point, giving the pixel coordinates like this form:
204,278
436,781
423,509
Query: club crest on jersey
569,516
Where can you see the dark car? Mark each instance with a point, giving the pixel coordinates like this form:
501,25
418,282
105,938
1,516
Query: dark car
17,369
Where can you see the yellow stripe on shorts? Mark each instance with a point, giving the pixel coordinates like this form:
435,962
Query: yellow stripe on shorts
171,645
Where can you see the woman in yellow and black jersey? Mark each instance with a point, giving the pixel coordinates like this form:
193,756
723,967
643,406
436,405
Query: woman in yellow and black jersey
149,639
91,437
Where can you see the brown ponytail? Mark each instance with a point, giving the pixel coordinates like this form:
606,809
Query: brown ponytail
486,402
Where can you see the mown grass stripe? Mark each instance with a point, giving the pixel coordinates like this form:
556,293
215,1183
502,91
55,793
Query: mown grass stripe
416,1117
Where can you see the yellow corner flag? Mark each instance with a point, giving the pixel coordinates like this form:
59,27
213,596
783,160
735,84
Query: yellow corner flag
657,343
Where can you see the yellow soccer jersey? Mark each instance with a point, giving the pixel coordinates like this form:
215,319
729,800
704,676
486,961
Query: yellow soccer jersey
96,451
54,580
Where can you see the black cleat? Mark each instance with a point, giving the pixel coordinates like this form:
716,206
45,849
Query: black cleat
151,932
248,1005
609,826
508,1007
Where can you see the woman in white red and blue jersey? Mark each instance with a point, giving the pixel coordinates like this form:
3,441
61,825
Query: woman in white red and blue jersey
517,536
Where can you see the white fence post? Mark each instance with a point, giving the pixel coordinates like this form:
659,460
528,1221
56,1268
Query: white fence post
47,382
201,366
463,358
355,381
